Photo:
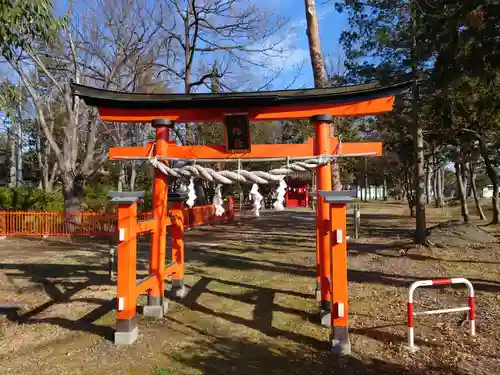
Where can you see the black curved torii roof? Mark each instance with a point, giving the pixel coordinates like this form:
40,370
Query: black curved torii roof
101,98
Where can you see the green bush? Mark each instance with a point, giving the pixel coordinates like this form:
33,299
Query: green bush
96,199
30,199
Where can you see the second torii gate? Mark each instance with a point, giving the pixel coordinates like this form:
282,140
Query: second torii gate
235,110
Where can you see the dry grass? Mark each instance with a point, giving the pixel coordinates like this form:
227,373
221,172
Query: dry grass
251,306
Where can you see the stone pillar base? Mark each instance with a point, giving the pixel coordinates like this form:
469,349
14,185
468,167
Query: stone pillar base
157,307
126,331
178,290
325,313
126,338
339,342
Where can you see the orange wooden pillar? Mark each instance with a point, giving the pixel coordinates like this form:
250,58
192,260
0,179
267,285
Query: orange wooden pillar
230,208
126,320
177,232
322,146
155,306
340,343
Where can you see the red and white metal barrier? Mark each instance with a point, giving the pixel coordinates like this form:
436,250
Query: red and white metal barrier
411,313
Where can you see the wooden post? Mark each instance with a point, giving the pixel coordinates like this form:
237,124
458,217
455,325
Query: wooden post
126,320
356,220
155,306
230,204
340,343
365,181
340,333
323,182
177,232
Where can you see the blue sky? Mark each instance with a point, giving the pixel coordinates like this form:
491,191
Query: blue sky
331,25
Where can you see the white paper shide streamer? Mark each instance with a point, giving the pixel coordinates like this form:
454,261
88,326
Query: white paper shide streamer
191,193
217,201
278,204
257,198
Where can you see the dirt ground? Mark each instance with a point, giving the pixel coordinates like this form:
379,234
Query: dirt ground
251,307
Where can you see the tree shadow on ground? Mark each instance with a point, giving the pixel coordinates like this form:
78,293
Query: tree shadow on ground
236,262
253,239
229,261
97,243
374,277
263,300
235,356
381,250
367,248
62,290
270,223
389,232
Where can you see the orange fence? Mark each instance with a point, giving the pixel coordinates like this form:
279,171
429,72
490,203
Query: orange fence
21,223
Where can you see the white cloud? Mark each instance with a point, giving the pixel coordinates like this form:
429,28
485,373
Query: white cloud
287,56
284,53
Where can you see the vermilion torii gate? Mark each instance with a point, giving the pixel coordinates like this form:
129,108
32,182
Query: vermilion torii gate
163,110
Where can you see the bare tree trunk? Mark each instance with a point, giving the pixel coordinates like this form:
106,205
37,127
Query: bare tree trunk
472,184
418,139
121,177
120,139
496,211
319,71
133,176
73,192
52,177
461,191
200,193
410,196
13,157
463,171
336,183
317,61
441,189
492,174
438,178
435,187
45,177
43,167
365,183
19,154
427,182
385,187
43,153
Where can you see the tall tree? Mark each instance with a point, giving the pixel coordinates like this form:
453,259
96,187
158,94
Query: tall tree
385,40
467,74
12,107
235,37
44,62
121,41
21,23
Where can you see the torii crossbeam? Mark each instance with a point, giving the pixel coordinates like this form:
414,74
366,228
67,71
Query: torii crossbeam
162,110
259,151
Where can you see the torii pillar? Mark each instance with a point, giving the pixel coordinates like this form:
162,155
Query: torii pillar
156,305
322,146
338,200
